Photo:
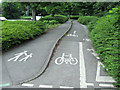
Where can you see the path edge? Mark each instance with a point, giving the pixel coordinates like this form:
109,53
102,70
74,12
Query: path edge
47,62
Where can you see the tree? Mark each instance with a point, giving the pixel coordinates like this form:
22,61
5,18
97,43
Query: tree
11,10
54,7
33,6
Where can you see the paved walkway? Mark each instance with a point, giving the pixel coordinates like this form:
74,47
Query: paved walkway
74,65
29,59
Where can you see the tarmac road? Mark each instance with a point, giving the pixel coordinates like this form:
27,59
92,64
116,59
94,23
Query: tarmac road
74,65
31,57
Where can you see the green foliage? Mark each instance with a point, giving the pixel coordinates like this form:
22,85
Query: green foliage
74,17
15,32
87,19
50,22
54,7
25,17
102,8
58,18
11,10
105,38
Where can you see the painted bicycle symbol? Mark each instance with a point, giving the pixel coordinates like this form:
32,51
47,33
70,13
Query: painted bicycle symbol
18,55
67,59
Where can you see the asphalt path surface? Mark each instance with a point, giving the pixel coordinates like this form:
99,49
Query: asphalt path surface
74,64
33,56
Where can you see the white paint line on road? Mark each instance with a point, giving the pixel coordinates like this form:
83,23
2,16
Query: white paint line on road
90,84
82,67
4,85
106,85
98,57
45,86
65,87
95,54
27,85
88,40
102,78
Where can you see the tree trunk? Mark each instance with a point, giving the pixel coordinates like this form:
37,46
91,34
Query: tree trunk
34,14
53,14
27,12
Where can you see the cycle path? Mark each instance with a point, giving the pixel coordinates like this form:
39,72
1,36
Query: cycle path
87,73
37,57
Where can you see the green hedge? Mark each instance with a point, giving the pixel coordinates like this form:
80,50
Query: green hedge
50,22
104,34
15,32
87,19
58,18
25,17
106,42
74,17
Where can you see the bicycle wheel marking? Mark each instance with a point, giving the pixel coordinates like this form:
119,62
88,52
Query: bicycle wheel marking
67,59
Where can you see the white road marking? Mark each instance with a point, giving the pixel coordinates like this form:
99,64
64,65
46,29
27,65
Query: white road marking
98,57
94,53
91,50
106,85
45,86
27,85
18,55
73,35
65,87
102,78
70,35
82,67
88,40
4,85
67,59
90,84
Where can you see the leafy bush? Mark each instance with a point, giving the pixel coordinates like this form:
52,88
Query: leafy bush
59,18
92,24
74,17
105,38
25,17
15,32
51,22
87,19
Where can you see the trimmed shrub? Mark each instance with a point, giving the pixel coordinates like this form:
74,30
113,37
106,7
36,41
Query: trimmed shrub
25,17
51,22
74,17
105,38
59,18
15,32
104,34
87,19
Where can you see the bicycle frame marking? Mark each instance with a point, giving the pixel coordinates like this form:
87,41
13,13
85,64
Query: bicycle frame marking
67,59
18,55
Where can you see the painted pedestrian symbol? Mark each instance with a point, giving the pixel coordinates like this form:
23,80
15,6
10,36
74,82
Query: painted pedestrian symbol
18,55
68,59
73,35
